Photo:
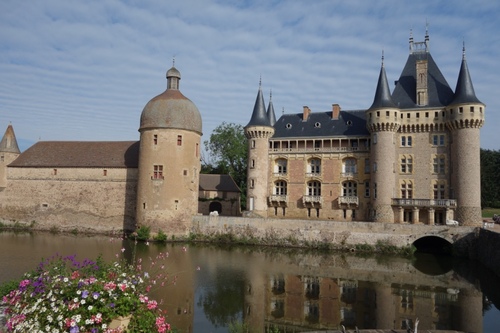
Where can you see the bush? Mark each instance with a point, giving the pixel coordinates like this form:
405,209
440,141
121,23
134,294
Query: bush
143,233
161,237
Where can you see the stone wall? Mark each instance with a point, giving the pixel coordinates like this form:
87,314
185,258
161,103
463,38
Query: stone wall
339,234
488,250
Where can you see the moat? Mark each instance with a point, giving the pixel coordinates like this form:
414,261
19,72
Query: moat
289,289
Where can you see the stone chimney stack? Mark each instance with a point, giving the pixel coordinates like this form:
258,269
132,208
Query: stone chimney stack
307,111
335,111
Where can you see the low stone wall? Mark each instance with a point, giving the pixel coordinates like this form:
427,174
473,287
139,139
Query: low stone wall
337,234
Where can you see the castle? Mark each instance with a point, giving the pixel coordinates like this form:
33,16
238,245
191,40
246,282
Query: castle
411,157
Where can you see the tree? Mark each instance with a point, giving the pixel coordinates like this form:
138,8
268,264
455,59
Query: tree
228,152
490,178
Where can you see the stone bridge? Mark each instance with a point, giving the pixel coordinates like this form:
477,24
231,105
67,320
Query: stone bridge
338,234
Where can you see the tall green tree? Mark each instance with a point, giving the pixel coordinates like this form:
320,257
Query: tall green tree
490,178
228,154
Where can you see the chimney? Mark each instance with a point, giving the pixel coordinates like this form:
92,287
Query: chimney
335,111
307,111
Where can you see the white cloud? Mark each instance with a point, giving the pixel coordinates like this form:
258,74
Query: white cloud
74,70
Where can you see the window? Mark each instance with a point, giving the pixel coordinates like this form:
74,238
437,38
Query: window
54,172
349,166
471,109
280,166
157,171
438,140
349,189
314,166
252,183
367,189
374,138
406,164
252,164
460,110
2,158
439,164
179,140
375,190
314,188
406,141
155,139
280,188
367,165
406,189
197,150
104,172
439,189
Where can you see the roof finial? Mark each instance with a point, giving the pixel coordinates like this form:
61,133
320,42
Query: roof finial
270,95
173,61
260,81
382,57
463,49
282,111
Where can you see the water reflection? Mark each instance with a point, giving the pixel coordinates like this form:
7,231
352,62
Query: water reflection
292,290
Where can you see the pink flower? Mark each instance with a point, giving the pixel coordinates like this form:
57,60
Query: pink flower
152,305
123,249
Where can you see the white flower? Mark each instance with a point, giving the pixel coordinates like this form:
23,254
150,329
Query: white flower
78,292
104,326
90,307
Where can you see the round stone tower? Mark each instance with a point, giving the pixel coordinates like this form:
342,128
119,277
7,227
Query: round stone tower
382,120
258,132
169,160
465,116
9,151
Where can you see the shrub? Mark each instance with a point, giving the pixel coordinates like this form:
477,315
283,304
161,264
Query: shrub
161,236
143,233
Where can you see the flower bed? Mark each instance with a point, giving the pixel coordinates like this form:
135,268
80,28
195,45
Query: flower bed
65,295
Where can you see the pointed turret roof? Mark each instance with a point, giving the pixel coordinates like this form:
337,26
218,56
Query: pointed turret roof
270,111
438,90
259,114
9,142
464,92
383,97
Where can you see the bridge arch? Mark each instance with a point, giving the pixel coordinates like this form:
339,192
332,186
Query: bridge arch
433,244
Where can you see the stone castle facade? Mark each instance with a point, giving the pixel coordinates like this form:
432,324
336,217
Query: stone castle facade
411,157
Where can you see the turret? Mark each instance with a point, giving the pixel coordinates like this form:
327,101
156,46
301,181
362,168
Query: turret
169,160
465,116
9,151
258,132
382,122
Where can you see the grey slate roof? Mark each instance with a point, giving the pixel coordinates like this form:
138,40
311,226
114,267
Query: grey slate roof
439,92
271,116
259,114
321,124
9,141
382,97
83,154
464,92
210,182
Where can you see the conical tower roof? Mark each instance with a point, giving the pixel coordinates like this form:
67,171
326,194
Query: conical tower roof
464,92
271,116
259,114
9,142
383,97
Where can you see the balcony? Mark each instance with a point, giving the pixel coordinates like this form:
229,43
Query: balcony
348,174
349,200
319,150
313,174
279,174
441,203
277,198
312,200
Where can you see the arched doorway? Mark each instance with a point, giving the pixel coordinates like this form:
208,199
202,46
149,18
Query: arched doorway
215,206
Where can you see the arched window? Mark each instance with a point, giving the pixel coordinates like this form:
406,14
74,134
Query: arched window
314,188
280,188
350,166
314,166
280,166
349,189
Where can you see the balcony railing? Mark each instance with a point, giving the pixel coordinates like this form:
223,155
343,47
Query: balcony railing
312,199
277,198
425,202
313,174
317,149
279,174
348,174
349,200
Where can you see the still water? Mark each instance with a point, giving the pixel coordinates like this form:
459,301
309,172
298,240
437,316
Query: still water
292,290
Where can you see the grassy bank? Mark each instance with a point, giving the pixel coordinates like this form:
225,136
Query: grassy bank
489,212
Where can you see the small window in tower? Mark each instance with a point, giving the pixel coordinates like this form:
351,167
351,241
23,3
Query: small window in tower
387,114
185,172
408,115
418,114
436,114
252,164
252,183
54,172
252,144
104,172
472,109
378,114
157,172
143,205
480,110
197,150
427,115
2,158
179,140
401,116
155,139
460,110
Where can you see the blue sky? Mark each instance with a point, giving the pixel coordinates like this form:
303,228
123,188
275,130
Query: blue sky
83,70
